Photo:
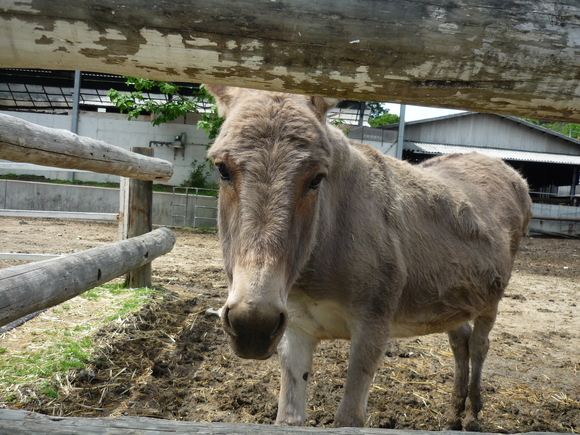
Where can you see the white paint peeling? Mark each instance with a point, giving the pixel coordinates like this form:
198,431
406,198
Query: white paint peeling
231,45
253,62
362,82
356,41
574,38
21,6
422,70
438,13
394,77
196,42
114,34
449,28
526,27
76,33
167,51
252,45
297,77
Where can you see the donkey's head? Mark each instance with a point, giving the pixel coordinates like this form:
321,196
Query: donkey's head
273,155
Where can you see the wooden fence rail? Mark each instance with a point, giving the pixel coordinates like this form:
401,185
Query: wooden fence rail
24,422
516,58
23,141
31,287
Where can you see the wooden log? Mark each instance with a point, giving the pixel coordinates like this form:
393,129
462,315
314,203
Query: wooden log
23,141
517,58
31,287
136,201
17,422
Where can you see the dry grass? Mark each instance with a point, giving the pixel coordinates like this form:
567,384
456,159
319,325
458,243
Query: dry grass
39,356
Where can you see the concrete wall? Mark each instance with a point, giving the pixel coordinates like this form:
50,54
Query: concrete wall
383,140
543,226
22,195
115,129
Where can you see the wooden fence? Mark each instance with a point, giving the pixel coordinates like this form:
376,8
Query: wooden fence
516,58
25,422
28,288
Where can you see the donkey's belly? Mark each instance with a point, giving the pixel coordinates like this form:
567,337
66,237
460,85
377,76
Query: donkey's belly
329,319
442,315
409,328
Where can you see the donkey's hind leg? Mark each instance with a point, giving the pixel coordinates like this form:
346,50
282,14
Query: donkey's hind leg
478,347
459,341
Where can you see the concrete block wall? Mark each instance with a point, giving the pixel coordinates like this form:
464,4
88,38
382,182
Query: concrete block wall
542,226
23,195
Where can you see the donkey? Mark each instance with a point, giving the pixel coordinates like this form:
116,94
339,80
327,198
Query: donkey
323,238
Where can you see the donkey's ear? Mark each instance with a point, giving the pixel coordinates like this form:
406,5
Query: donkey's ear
322,105
223,96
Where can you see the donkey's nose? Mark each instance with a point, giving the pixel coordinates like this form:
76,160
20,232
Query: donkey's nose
254,331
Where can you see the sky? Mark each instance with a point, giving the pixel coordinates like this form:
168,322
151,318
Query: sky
415,113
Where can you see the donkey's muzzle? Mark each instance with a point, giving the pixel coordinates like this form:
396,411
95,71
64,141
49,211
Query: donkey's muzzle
254,331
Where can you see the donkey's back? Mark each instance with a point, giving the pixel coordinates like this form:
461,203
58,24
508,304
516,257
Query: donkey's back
460,220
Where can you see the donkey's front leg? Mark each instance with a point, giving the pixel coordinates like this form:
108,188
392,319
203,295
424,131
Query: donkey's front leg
366,352
295,351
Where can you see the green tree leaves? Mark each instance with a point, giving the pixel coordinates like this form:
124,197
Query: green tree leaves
177,105
379,115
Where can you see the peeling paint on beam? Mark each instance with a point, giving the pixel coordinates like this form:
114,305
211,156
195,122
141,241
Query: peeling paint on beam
520,58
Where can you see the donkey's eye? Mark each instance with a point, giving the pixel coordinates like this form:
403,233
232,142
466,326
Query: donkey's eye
224,172
315,183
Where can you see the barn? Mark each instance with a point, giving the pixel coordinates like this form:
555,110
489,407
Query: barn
548,160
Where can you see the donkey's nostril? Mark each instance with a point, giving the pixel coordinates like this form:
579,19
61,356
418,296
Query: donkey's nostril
227,324
281,325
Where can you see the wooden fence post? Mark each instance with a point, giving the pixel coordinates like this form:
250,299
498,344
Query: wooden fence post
136,203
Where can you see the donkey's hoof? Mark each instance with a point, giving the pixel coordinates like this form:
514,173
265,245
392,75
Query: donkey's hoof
349,421
454,424
471,425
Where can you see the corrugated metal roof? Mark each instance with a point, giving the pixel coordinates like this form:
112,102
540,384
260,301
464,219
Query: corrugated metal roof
521,156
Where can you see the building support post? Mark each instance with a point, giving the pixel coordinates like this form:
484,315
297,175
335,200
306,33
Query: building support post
575,171
401,135
74,127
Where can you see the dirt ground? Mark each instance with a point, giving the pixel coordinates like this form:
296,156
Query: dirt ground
171,361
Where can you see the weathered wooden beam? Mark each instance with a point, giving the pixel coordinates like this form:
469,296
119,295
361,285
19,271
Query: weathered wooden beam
31,287
24,422
23,141
517,58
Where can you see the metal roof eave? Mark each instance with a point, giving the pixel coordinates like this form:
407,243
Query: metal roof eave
522,156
